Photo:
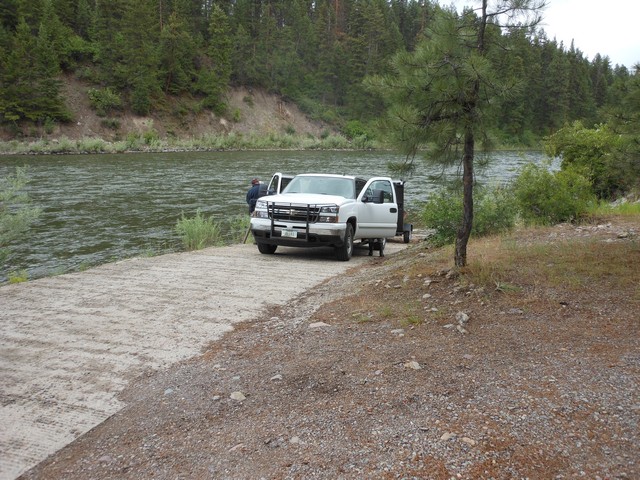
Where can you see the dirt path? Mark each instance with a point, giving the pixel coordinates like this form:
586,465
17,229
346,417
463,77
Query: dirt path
70,344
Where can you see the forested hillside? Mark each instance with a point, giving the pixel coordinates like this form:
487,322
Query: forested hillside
180,57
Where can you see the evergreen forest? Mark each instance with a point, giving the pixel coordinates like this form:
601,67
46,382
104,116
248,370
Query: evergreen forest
136,54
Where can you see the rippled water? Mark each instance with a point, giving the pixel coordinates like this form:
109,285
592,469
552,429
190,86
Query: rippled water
100,208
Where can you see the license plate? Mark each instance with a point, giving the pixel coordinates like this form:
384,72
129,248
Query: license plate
289,233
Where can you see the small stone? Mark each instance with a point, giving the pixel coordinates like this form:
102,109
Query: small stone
168,391
461,330
448,325
426,295
413,365
447,436
397,331
318,325
295,440
239,396
469,441
276,377
462,318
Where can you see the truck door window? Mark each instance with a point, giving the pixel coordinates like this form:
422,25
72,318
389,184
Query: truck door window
383,185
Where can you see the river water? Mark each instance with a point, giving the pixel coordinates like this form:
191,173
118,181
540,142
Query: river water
101,208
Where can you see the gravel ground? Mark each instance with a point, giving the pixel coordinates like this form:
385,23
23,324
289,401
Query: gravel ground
347,381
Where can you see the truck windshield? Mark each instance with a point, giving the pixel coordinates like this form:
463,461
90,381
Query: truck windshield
343,187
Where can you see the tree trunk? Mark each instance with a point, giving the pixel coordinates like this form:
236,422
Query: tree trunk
467,203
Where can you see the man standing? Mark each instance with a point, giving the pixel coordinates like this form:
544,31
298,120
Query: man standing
253,194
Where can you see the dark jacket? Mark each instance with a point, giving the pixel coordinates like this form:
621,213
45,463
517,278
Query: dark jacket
252,196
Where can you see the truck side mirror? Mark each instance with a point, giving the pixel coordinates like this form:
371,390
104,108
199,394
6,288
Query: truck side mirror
376,197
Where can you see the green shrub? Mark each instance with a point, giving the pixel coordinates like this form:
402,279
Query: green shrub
237,227
495,211
546,197
198,232
598,154
104,100
112,123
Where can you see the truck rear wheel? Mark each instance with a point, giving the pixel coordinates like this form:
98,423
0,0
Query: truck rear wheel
266,248
344,252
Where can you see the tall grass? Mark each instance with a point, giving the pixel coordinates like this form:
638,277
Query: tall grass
199,232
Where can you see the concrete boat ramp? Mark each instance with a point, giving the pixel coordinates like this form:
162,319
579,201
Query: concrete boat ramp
70,344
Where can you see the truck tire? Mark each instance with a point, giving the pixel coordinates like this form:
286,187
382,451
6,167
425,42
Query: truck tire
266,248
406,236
344,252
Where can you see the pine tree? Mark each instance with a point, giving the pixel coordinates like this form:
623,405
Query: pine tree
176,53
216,74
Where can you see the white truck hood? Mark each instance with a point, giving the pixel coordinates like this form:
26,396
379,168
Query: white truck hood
307,199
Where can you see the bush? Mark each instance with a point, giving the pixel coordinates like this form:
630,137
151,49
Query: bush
104,100
546,197
596,153
495,211
198,232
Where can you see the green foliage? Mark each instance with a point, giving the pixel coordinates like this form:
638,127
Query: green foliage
546,197
236,227
104,100
355,128
599,154
16,212
495,211
19,276
198,232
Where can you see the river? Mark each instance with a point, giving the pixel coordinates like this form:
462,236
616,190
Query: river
101,208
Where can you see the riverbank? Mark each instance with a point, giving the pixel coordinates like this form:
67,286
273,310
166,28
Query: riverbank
150,143
525,364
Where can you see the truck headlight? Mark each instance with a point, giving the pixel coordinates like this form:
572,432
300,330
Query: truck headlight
329,214
261,209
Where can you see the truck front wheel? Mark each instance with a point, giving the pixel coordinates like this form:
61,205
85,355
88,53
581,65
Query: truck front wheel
344,252
266,248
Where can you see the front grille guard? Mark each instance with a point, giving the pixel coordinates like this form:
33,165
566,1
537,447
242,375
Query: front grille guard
292,212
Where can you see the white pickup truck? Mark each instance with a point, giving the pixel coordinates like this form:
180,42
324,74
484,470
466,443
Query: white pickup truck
316,210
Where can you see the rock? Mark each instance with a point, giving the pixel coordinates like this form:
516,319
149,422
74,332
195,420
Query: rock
447,436
276,377
413,365
448,325
168,391
426,295
397,331
318,325
461,330
451,275
469,441
462,318
239,396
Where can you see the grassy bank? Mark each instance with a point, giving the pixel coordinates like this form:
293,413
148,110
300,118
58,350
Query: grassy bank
151,142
